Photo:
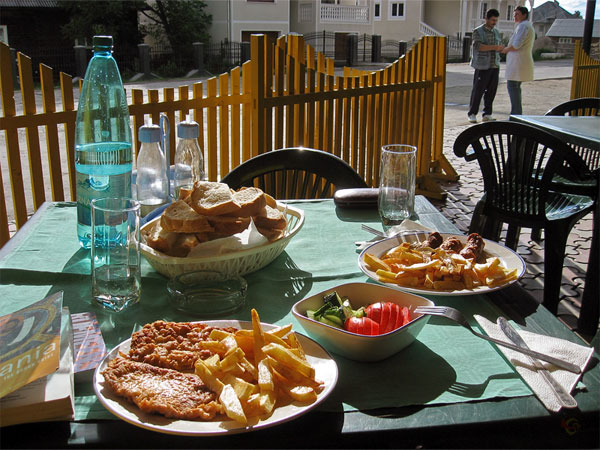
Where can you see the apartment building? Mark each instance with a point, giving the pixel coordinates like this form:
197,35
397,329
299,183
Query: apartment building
459,17
401,20
236,20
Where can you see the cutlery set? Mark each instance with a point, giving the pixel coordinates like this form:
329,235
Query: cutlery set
518,344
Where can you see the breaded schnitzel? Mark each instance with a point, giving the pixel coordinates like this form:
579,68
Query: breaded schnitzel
163,391
173,345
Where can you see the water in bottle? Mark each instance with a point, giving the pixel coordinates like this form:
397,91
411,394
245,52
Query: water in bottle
103,156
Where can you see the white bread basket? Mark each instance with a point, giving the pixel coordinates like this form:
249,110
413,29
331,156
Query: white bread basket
240,263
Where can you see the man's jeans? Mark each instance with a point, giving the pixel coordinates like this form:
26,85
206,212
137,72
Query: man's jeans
485,83
514,93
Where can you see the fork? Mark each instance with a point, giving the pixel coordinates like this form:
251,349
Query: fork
386,235
457,316
373,231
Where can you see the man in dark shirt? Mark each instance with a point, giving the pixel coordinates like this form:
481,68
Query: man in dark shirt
486,62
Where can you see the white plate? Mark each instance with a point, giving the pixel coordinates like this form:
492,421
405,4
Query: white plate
508,258
325,370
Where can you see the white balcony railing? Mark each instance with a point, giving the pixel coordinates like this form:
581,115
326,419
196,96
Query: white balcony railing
428,30
344,14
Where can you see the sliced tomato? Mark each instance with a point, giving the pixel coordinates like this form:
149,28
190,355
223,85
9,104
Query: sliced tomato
388,315
386,312
374,328
400,316
374,311
351,324
405,315
362,325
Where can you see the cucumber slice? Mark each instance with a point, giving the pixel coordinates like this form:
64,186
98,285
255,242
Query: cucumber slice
334,319
330,322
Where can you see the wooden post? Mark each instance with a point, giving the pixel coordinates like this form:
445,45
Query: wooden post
257,51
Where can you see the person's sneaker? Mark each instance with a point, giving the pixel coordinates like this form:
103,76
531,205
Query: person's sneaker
488,118
472,118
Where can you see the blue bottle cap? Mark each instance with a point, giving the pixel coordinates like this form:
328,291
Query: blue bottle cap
149,133
188,129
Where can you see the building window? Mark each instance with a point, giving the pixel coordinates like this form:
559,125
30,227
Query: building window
565,40
396,10
377,11
484,8
509,12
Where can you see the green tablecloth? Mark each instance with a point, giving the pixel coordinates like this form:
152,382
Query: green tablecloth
447,364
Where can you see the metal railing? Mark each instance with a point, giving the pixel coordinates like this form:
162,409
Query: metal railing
344,14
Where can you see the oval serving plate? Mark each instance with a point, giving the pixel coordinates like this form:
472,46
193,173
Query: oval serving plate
508,257
325,370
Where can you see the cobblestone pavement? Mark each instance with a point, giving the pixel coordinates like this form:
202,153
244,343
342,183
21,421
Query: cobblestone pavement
460,203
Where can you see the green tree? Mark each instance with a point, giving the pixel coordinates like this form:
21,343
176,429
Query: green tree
116,18
178,23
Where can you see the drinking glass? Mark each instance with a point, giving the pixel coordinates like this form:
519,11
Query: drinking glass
397,175
116,279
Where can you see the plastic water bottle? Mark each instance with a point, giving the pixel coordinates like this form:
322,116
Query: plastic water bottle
189,163
151,181
103,157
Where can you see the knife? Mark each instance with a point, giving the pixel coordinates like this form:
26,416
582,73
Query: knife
564,398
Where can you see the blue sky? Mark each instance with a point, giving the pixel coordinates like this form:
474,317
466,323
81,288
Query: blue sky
574,5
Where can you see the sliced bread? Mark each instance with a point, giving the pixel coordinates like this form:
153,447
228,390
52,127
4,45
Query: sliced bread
213,199
270,201
157,238
251,201
179,217
185,193
272,234
270,218
183,244
227,225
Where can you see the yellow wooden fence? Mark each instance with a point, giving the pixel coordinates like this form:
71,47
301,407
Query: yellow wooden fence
286,95
585,81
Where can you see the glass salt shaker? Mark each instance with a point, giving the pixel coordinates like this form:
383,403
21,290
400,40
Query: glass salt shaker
189,162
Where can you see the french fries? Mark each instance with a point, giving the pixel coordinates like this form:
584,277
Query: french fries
254,371
436,269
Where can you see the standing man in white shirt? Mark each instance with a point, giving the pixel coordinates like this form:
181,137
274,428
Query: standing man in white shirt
486,62
519,58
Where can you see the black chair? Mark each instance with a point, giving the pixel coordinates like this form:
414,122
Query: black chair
589,106
518,163
295,173
564,182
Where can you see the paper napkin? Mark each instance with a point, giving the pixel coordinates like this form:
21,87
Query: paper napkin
248,238
560,348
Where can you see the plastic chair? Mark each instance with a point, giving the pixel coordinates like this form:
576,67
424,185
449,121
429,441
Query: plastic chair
589,106
295,173
518,163
565,180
